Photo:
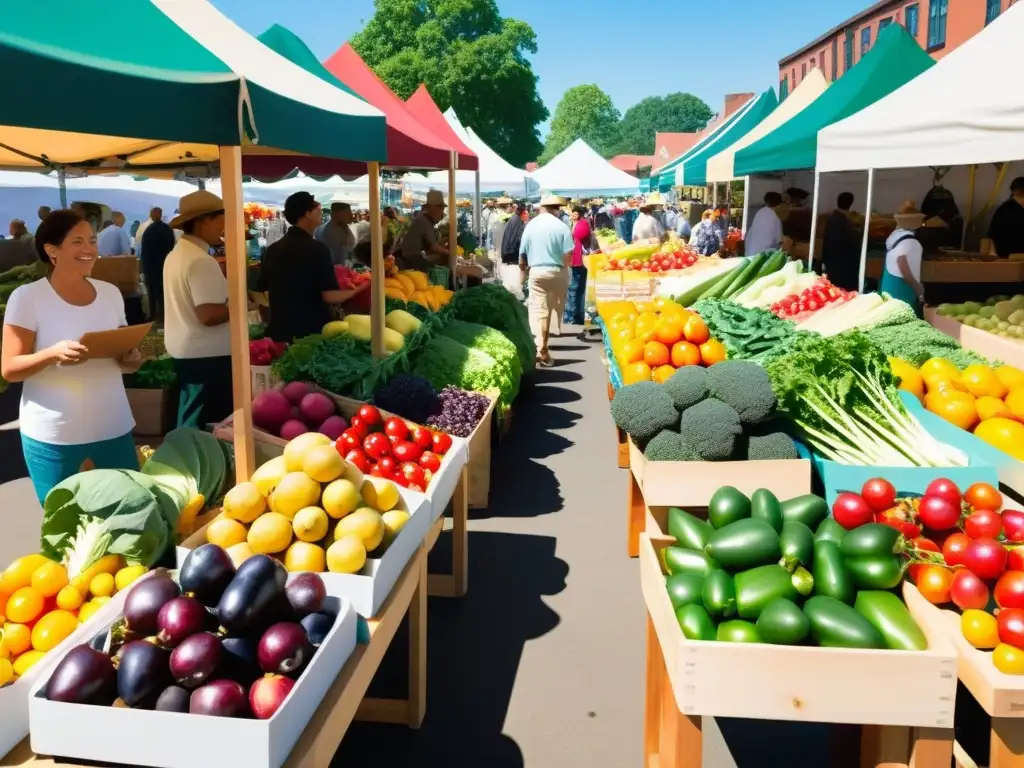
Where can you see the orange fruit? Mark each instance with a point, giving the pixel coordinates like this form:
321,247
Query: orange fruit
662,373
696,330
621,335
1010,376
19,573
669,331
990,407
17,638
955,407
49,579
632,351
712,351
1015,401
981,381
684,353
635,372
655,354
24,606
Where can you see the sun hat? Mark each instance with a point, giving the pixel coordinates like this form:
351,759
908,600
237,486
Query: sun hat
552,201
908,217
505,200
435,197
196,204
653,200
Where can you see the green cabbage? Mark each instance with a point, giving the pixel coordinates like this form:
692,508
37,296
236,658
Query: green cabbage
491,341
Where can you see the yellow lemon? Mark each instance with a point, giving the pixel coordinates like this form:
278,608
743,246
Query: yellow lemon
304,556
225,532
244,502
1010,376
128,575
295,491
346,555
990,407
270,533
310,524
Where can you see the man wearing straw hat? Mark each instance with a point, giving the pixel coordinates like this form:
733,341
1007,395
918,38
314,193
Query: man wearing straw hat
544,252
196,332
901,277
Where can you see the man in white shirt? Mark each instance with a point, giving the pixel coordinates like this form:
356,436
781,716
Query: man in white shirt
196,332
647,226
114,241
765,231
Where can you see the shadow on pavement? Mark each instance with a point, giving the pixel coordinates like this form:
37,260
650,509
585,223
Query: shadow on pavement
474,648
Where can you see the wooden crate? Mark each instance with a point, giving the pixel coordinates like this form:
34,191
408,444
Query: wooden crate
1000,695
690,484
155,410
689,680
479,464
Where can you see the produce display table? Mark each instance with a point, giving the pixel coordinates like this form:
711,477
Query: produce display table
345,701
689,680
988,345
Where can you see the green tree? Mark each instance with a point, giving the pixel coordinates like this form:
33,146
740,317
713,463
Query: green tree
585,112
470,58
677,112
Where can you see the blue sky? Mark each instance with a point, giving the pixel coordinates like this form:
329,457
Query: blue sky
674,45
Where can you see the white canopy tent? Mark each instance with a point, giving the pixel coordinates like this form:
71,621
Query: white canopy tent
914,126
496,175
579,170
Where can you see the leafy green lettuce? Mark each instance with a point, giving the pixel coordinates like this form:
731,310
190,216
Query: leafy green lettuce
491,341
445,362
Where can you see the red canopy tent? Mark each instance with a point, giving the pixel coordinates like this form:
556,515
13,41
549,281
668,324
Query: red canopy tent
411,143
422,106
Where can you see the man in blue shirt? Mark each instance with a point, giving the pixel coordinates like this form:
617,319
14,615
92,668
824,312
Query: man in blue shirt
544,254
114,241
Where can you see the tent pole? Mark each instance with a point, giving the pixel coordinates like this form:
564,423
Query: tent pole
970,207
238,315
814,220
476,206
867,227
62,184
746,203
714,197
376,265
453,233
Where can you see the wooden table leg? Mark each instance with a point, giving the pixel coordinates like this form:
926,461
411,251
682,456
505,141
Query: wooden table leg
884,746
1007,744
636,517
622,447
671,739
457,583
418,650
652,698
931,747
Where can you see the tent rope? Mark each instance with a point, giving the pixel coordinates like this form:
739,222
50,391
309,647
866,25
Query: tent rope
245,106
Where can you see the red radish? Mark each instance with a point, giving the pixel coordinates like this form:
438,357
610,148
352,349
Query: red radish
316,407
333,427
294,391
851,511
270,410
292,429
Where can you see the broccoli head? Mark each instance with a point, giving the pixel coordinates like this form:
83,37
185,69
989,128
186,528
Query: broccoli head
668,446
745,386
711,429
771,446
642,410
687,386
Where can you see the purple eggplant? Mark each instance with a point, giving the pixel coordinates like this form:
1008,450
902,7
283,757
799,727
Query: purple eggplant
83,676
142,673
206,573
195,660
144,601
258,584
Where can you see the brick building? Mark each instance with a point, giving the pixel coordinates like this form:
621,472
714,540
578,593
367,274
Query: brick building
939,26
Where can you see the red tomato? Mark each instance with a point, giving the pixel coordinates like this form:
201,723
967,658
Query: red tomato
901,519
953,548
398,479
879,494
1015,559
926,545
933,583
388,466
375,471
851,511
407,451
430,461
422,437
944,489
369,414
938,514
983,524
396,427
968,591
1011,627
1009,590
414,476
360,426
983,496
986,558
376,445
358,459
349,440
1013,525
441,443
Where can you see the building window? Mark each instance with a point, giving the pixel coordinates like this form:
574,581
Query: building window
803,70
937,11
814,62
835,57
821,61
848,51
784,88
884,23
865,41
991,10
910,20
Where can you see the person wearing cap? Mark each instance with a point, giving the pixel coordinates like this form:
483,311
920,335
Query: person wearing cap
901,276
647,226
298,274
420,248
73,409
336,233
545,250
1006,230
765,231
196,332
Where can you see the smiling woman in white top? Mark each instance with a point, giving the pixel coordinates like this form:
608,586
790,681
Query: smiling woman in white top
73,409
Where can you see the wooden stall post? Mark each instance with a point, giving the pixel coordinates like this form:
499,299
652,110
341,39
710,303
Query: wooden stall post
453,229
376,265
238,305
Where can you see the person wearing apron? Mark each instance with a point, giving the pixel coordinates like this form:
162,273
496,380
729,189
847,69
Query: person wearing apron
901,275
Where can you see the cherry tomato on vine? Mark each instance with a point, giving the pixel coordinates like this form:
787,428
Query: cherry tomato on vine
983,524
1013,525
968,591
944,489
1009,590
927,545
938,514
879,494
851,511
953,548
986,558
